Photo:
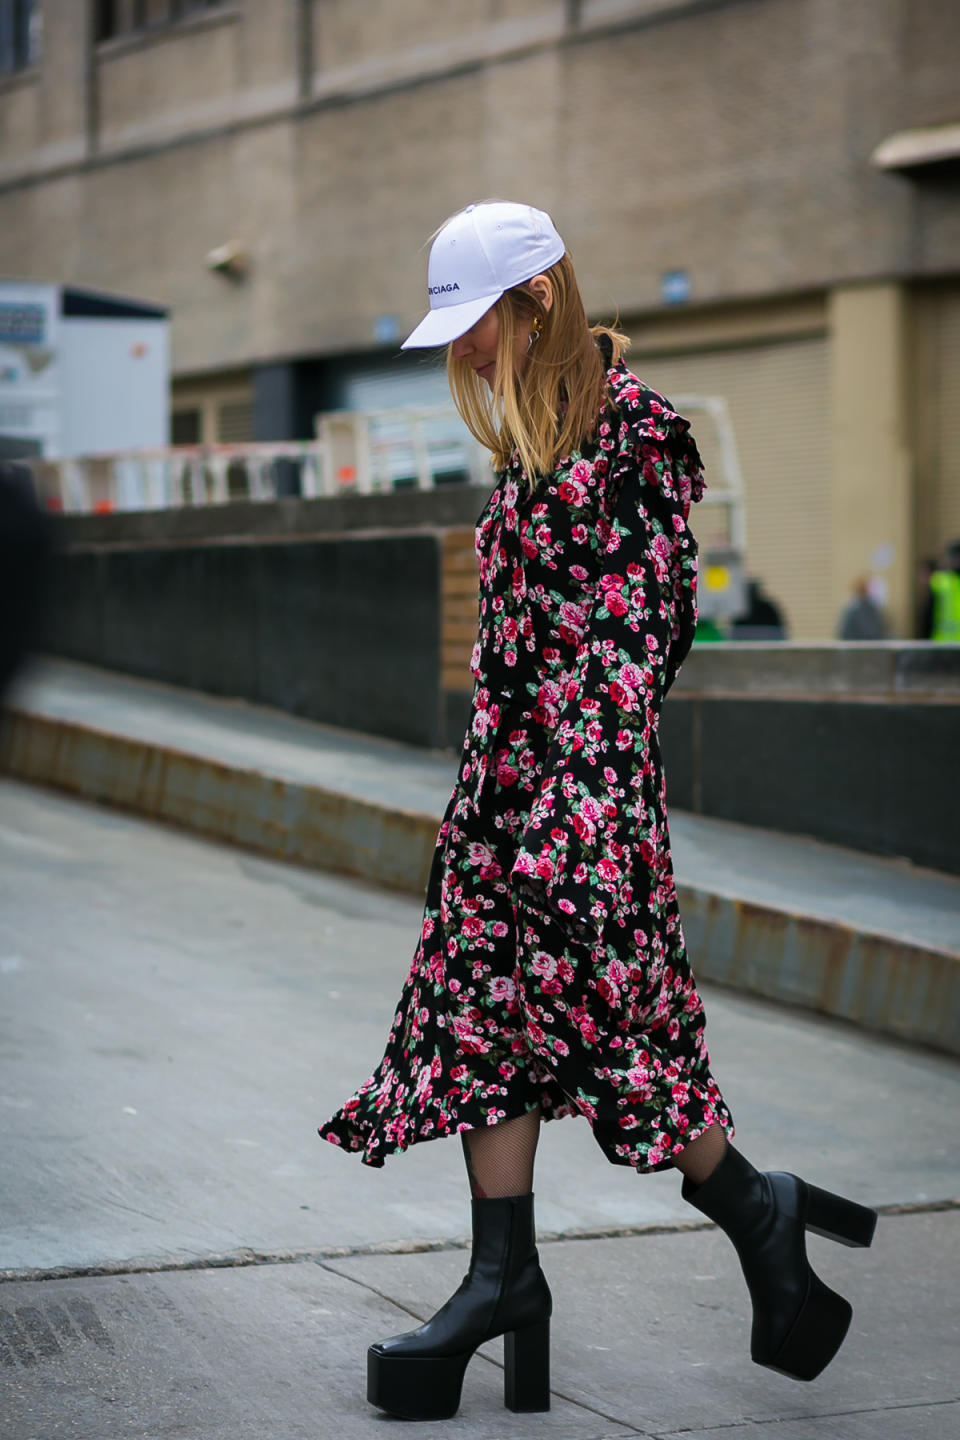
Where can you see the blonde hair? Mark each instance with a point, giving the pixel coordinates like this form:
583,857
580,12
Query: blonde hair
549,404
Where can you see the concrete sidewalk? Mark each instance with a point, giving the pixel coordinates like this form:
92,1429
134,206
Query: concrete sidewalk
650,1338
182,1259
871,940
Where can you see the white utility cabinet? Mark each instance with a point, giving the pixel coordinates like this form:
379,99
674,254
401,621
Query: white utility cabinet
81,373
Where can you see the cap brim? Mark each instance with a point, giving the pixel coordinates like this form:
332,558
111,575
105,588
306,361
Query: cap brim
448,322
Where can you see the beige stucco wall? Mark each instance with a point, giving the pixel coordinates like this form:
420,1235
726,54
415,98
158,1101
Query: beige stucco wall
870,512
771,365
934,390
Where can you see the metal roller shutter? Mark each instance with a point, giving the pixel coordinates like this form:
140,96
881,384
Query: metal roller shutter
235,421
777,393
451,448
395,387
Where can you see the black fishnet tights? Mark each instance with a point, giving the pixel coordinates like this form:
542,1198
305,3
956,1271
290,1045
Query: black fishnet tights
500,1157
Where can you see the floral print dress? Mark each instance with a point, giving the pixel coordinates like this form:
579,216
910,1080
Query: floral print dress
551,969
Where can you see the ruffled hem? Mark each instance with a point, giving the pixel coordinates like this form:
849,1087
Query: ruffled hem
374,1141
708,1109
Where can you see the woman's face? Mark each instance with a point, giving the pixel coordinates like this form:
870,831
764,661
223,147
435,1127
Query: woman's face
478,347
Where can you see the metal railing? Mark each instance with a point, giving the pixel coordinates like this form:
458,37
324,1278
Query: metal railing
367,452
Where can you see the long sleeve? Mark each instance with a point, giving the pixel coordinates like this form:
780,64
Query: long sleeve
586,840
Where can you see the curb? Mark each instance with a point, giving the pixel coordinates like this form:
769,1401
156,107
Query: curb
880,982
246,1258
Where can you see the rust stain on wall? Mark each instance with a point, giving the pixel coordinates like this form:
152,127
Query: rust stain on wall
880,982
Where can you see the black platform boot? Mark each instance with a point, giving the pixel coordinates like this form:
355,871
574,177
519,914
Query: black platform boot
419,1375
799,1323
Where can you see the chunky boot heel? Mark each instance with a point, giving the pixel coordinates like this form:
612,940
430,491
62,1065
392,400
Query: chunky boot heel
799,1323
416,1388
419,1375
838,1219
526,1368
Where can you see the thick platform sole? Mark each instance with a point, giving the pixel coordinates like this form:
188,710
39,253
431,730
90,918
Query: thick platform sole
815,1336
824,1319
416,1387
413,1387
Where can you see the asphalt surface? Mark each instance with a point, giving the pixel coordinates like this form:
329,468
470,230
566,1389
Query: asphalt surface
182,1257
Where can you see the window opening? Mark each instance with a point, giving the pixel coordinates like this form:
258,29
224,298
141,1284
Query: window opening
19,35
132,17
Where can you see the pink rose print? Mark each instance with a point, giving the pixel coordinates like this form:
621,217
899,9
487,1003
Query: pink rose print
550,969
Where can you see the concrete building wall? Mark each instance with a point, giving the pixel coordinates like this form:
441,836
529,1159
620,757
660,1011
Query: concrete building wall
727,139
731,140
149,89
234,64
381,42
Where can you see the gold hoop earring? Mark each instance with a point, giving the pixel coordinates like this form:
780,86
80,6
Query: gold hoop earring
535,333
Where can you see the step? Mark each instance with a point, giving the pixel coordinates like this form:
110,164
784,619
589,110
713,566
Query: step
871,940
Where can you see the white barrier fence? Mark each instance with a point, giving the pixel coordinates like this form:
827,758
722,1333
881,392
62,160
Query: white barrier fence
180,475
365,452
354,452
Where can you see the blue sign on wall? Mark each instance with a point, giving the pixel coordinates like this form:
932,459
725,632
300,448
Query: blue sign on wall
675,287
386,329
22,324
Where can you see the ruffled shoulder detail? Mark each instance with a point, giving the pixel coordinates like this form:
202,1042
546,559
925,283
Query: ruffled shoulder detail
651,431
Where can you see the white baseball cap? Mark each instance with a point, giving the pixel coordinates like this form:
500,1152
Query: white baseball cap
480,253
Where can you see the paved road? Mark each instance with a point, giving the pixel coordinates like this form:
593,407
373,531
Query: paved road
176,1016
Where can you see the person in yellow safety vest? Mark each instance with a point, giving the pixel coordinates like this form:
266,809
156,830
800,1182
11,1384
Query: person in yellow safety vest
945,590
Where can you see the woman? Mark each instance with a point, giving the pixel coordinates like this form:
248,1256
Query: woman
551,976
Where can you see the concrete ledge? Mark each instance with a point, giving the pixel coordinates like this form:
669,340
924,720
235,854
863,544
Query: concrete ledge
850,743
884,983
887,670
331,515
286,820
879,981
